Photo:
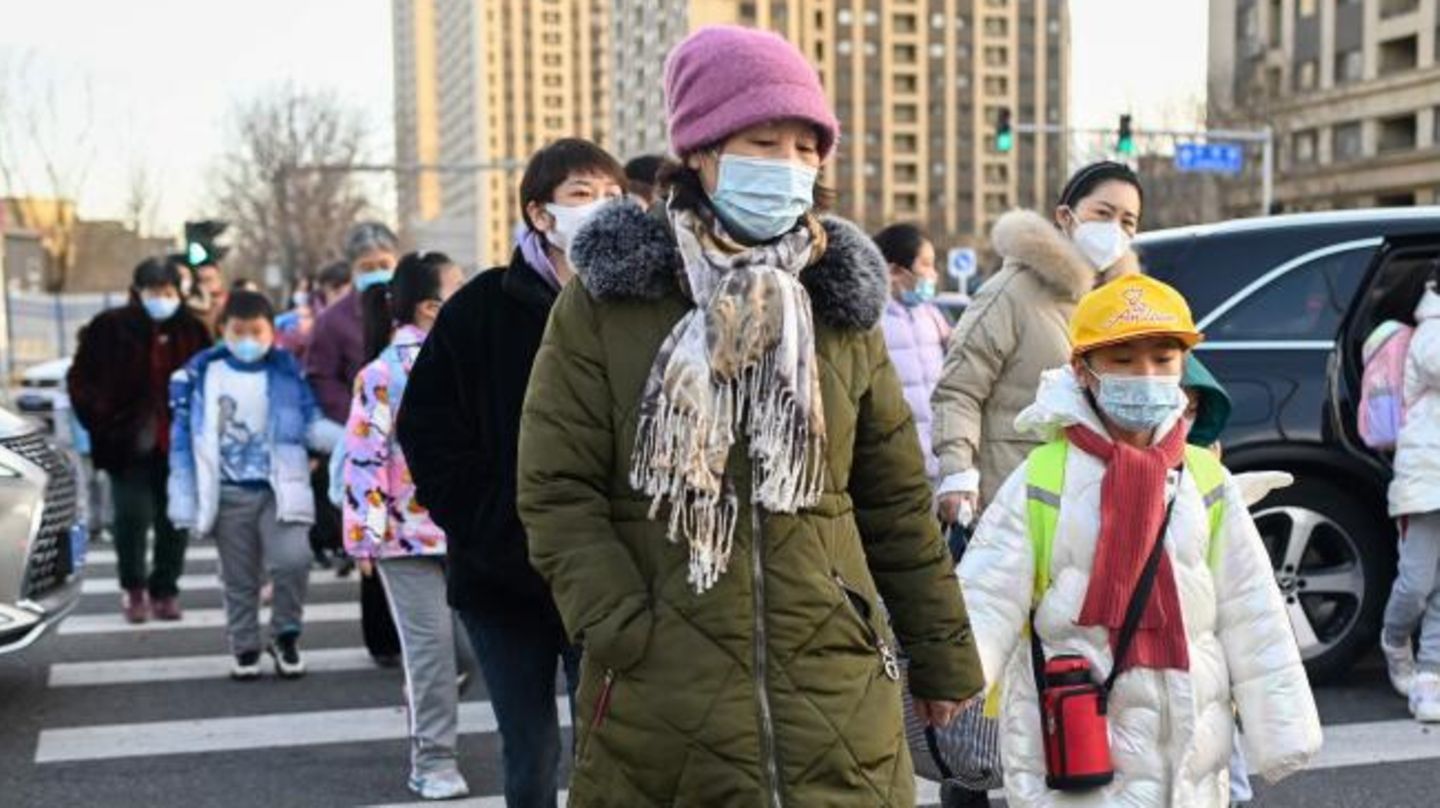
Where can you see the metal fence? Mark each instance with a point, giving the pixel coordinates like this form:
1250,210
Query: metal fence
46,326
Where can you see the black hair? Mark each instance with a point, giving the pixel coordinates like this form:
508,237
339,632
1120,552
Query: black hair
552,165
243,304
642,174
336,274
900,244
154,273
416,280
1083,182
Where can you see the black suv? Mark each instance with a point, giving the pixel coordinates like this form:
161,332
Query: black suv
1286,303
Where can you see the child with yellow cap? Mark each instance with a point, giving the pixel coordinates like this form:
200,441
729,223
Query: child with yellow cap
1115,541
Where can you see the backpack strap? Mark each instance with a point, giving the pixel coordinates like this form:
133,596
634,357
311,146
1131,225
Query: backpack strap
1210,479
1044,483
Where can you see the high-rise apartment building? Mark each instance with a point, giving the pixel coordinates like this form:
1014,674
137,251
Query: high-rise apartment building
479,86
918,86
1351,88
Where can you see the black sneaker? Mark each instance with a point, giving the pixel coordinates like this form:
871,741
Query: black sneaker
286,654
246,667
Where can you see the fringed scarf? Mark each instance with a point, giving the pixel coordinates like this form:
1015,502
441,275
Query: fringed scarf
742,359
1132,507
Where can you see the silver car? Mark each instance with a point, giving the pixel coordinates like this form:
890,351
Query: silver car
42,533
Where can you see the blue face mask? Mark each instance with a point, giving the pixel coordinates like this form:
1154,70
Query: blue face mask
365,280
1138,403
924,292
160,309
761,199
247,349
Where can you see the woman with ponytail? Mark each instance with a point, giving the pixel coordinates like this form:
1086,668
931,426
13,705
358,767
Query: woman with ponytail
389,534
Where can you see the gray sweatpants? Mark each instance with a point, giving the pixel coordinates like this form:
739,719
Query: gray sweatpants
253,544
416,590
1415,599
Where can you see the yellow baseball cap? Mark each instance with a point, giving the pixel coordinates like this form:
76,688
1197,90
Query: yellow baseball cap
1131,307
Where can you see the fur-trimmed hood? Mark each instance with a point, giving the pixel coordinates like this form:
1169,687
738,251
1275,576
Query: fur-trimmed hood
624,253
1026,238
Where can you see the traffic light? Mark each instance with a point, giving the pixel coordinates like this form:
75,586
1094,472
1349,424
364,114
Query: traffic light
200,246
1004,137
1126,142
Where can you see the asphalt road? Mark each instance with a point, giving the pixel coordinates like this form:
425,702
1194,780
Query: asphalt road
102,714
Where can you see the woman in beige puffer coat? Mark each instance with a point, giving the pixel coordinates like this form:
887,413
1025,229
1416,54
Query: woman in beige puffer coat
1015,328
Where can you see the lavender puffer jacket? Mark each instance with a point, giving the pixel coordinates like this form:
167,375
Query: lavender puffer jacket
916,338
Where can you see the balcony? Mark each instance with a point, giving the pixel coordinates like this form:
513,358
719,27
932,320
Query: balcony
1397,134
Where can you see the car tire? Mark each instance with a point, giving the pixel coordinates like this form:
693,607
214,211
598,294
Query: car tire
1334,560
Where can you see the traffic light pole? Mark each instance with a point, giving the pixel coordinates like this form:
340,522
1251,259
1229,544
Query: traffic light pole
1265,137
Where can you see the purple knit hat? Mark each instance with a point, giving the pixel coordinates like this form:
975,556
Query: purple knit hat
724,78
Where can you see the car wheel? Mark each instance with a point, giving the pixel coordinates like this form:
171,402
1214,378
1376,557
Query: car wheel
1334,559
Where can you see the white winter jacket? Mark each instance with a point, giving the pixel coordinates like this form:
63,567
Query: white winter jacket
1416,486
1170,730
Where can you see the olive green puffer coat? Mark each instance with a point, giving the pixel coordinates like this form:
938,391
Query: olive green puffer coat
777,686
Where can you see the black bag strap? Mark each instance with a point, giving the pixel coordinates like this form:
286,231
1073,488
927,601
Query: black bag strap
1133,610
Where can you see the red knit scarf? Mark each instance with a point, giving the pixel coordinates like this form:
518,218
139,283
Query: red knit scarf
1132,507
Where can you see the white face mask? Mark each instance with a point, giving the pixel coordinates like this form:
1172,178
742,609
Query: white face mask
1102,243
569,220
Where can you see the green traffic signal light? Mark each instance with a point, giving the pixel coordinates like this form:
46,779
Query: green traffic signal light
1004,141
1125,144
1004,135
196,254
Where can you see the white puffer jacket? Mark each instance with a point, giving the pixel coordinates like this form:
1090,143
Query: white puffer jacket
1170,730
1416,486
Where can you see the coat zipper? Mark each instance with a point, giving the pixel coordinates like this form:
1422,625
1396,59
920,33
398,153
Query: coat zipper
762,687
602,709
889,660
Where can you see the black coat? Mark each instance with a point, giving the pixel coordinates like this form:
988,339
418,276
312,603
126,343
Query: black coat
112,386
459,426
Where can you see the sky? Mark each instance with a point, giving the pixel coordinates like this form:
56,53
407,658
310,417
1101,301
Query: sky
155,82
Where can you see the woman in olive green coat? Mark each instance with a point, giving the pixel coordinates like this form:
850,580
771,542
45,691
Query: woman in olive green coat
720,478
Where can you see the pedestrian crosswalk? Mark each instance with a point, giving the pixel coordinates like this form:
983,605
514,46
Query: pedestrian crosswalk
158,665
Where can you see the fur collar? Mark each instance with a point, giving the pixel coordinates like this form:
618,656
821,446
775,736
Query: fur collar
625,253
1026,238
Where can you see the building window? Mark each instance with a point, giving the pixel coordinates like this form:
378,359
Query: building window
872,18
1306,75
1399,55
905,144
844,17
904,54
904,24
843,47
905,84
997,27
997,86
906,113
906,173
1397,134
1397,8
906,203
871,48
1302,147
996,56
937,21
1307,8
997,173
1276,7
937,50
1349,66
996,203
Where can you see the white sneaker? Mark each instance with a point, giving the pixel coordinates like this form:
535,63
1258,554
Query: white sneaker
1425,698
446,785
1400,660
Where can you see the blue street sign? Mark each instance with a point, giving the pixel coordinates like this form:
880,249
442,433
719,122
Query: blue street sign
1214,158
961,262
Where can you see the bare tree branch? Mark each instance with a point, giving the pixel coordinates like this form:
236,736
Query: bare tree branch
283,216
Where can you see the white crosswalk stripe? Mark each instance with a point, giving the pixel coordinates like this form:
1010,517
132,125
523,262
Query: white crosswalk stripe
181,668
203,552
198,618
108,584
269,731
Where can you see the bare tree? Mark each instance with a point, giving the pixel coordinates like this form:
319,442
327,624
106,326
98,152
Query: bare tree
46,148
283,210
142,197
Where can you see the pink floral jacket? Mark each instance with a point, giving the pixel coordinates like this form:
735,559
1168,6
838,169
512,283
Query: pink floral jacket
381,517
